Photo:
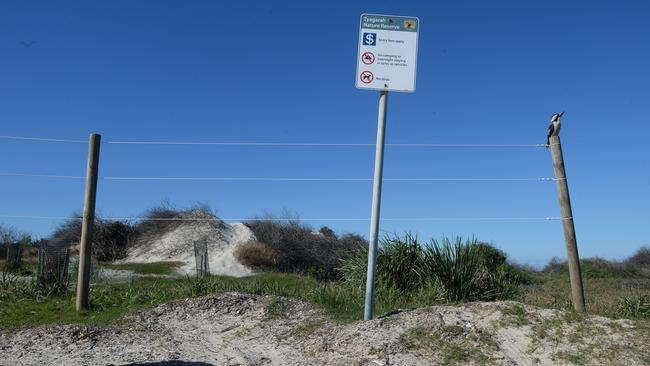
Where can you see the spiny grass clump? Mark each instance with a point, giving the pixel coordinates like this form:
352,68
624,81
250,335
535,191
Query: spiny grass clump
399,265
635,306
447,270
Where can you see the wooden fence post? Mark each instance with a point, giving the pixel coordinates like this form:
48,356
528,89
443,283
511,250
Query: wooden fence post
573,259
85,246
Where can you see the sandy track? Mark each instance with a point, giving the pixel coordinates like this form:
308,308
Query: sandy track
240,329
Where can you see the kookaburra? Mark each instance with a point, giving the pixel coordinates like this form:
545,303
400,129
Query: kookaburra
554,127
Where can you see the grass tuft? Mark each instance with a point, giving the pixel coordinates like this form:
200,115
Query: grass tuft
157,268
454,271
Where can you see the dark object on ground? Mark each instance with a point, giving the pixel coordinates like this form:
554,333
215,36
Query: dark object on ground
169,363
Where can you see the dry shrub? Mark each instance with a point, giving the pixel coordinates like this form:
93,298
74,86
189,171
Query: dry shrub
111,239
257,255
300,249
640,258
640,261
597,267
162,219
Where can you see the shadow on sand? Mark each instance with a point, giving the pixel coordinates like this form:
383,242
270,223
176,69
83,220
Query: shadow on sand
169,363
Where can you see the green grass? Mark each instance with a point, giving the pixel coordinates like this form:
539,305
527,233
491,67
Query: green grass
159,268
26,269
517,315
451,344
611,297
23,305
455,270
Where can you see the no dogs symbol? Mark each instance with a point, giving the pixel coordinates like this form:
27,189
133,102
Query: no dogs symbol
367,77
368,58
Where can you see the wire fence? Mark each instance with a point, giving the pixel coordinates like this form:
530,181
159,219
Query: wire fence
53,262
288,179
281,179
201,258
13,255
271,144
408,219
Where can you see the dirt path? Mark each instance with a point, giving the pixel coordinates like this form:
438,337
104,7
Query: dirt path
239,329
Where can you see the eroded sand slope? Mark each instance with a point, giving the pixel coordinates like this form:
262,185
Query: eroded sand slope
240,329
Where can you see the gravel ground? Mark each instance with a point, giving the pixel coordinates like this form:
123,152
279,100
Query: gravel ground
241,329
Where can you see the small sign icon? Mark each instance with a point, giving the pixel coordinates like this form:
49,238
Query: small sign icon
409,24
368,58
367,77
369,39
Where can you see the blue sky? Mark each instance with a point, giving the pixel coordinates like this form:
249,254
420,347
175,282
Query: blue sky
279,71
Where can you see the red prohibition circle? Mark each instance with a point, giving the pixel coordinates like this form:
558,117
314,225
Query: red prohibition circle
367,77
368,58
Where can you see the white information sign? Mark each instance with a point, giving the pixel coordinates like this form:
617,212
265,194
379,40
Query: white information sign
388,50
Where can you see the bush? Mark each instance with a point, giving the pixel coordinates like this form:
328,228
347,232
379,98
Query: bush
301,250
8,235
635,306
257,255
640,259
111,239
159,221
469,271
490,256
456,271
399,265
594,268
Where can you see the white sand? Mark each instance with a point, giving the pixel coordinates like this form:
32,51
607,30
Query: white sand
241,329
177,245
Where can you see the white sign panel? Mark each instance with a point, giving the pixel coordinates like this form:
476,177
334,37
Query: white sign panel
388,50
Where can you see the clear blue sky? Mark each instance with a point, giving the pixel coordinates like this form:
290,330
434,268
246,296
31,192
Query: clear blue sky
488,72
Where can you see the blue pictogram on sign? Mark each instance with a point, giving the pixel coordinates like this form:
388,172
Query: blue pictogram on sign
369,39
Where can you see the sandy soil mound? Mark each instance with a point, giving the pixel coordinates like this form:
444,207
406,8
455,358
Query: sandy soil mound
239,329
175,242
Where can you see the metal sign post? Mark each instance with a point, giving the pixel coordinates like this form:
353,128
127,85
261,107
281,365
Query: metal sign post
386,61
376,205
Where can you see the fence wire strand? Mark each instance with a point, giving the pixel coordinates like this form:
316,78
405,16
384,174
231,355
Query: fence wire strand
137,218
262,143
313,144
296,179
42,139
282,179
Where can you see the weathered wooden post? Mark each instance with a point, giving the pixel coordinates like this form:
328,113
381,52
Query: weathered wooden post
573,259
85,246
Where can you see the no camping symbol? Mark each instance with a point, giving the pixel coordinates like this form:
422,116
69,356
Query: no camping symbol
368,58
367,77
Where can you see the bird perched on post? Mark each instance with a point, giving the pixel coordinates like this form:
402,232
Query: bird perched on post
554,127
